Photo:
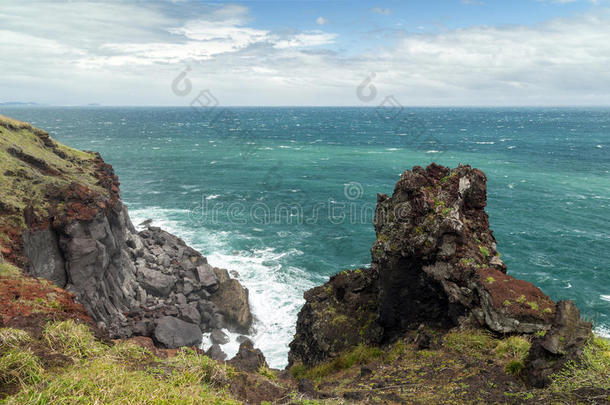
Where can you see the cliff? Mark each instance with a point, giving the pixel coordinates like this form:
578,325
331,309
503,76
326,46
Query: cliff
62,219
435,267
434,319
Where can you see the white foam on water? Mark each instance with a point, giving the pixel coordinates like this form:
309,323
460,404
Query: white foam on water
603,331
605,297
275,289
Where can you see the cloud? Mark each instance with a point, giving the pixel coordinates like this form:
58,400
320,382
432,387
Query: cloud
119,52
382,11
321,21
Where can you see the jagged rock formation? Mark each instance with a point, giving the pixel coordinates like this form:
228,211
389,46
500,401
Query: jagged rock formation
435,261
65,222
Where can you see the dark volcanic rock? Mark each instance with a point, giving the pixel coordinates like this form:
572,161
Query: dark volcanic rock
564,342
216,353
231,299
336,316
437,259
128,280
248,358
173,333
435,262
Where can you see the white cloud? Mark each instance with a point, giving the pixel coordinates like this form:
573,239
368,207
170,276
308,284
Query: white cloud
321,21
382,11
306,39
119,53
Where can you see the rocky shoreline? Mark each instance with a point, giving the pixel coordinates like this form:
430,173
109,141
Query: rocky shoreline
436,295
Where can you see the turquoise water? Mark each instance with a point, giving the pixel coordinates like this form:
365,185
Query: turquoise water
285,195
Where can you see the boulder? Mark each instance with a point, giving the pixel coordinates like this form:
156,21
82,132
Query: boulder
216,353
173,333
231,299
219,337
157,283
206,276
338,315
248,358
434,263
564,342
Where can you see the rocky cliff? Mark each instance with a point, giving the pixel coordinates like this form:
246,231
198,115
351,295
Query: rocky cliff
435,262
63,218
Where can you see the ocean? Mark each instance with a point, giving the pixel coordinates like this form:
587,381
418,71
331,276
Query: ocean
285,196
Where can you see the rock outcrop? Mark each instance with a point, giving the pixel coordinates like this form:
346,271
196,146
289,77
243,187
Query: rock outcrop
69,225
435,262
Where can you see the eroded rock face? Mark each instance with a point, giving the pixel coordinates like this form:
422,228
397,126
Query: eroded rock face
435,262
437,258
126,280
336,316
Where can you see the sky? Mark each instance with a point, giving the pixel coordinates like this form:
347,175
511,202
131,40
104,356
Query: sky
310,53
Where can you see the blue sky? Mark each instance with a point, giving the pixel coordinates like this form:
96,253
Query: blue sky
450,52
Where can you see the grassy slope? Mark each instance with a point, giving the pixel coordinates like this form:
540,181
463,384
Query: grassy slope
23,183
461,367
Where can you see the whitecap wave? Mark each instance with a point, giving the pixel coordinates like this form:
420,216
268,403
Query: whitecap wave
275,290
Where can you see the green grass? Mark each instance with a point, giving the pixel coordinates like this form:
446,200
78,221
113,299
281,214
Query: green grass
10,271
484,251
514,350
120,374
474,343
361,354
72,339
592,372
20,366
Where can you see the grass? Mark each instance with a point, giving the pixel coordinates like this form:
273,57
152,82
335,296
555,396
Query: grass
123,373
72,339
11,338
20,366
9,271
514,350
361,354
474,343
484,251
592,372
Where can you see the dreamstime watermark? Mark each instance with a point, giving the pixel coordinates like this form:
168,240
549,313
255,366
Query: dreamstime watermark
404,124
349,210
222,120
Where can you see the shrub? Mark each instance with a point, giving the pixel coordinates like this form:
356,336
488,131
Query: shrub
514,347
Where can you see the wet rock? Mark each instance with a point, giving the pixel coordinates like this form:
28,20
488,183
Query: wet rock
231,299
172,333
219,337
215,353
248,358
